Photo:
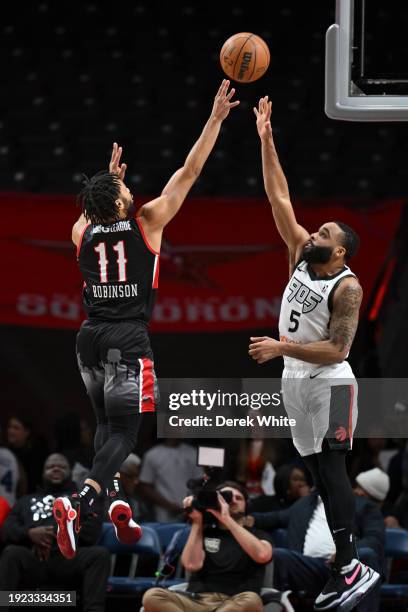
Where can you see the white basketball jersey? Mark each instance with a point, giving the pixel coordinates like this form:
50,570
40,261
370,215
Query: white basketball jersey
306,308
9,474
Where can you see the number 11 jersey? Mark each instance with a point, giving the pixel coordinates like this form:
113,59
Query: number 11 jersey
120,271
306,308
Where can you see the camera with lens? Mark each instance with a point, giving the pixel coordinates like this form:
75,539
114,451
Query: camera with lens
205,495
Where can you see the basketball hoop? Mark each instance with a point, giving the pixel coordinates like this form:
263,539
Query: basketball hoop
352,92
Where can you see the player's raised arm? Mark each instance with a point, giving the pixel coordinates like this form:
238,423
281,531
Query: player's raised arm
276,186
157,213
115,167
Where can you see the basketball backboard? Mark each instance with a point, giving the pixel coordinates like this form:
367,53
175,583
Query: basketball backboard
358,88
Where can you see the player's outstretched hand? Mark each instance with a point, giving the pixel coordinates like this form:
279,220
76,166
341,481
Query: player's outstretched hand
222,101
263,349
115,167
263,118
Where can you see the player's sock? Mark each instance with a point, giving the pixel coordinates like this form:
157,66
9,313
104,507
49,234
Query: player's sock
87,496
343,539
115,489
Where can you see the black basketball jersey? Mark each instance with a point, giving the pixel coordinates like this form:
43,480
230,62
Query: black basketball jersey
120,270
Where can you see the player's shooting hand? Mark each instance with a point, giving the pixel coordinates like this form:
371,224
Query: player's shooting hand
115,167
223,515
263,349
263,118
222,101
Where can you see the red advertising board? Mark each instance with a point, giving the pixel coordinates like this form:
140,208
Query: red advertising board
223,265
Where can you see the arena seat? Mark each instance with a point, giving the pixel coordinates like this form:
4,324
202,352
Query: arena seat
165,531
85,87
148,545
396,548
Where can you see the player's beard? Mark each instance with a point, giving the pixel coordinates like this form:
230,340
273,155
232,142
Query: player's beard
317,254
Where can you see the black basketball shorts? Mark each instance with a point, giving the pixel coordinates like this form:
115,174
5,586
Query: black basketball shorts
116,364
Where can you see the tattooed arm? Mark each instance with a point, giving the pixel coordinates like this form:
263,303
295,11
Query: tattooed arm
344,320
343,326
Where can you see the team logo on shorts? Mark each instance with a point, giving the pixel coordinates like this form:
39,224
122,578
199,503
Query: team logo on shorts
341,434
303,295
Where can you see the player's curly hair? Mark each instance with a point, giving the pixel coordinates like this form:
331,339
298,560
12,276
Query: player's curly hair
350,240
98,197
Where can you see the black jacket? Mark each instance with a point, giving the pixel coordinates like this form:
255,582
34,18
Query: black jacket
370,530
35,510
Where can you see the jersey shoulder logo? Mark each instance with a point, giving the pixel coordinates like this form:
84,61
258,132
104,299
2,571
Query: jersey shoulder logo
305,296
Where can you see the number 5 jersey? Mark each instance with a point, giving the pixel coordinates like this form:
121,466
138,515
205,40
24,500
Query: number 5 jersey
306,308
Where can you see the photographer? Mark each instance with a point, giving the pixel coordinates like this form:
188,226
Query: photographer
227,561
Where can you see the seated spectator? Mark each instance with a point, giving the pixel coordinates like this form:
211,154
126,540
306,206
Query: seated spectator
29,449
290,483
165,470
367,455
227,561
397,507
373,484
395,472
11,479
305,565
129,477
256,460
31,557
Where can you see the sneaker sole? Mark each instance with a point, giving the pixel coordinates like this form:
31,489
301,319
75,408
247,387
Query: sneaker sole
126,529
359,593
65,516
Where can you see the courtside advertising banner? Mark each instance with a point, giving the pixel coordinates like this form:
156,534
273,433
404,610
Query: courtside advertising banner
223,265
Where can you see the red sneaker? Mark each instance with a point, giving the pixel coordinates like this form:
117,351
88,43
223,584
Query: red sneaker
66,512
127,531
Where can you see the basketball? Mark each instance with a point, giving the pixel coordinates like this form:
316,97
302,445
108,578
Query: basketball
244,57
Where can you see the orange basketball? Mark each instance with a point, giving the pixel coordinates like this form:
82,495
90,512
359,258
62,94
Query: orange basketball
244,57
